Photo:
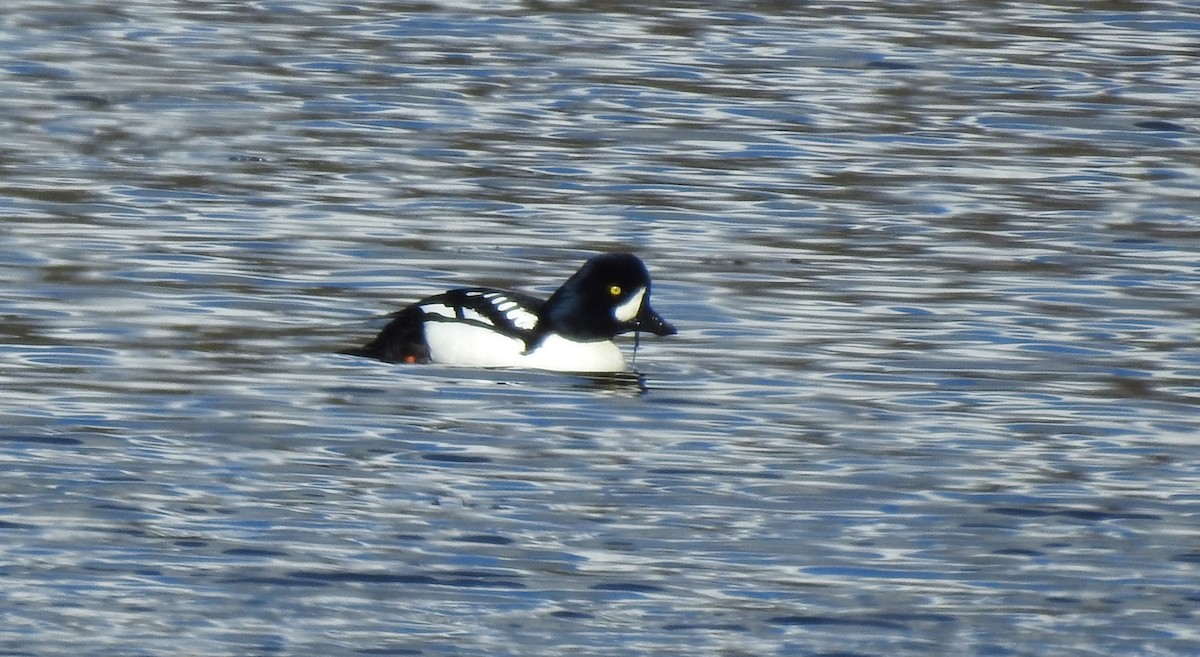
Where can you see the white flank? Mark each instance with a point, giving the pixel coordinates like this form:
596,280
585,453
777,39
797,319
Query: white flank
455,343
562,355
629,308
458,343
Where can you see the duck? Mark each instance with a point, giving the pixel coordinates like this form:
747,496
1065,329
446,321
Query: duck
572,331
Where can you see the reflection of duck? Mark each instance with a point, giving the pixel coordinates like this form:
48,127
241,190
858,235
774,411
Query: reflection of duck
572,331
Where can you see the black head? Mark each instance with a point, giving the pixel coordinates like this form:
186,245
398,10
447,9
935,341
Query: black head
609,295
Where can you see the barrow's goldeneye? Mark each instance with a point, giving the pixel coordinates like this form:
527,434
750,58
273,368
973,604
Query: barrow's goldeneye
572,331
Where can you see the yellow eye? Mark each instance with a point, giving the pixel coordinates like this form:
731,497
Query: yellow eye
615,290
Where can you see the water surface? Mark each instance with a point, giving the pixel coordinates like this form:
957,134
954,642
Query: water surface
934,269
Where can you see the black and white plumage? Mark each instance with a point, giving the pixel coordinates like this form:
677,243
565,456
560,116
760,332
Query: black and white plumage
571,331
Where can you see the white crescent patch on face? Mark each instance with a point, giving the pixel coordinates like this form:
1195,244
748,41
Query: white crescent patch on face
628,309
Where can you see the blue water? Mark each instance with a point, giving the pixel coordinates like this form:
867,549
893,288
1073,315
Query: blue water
936,270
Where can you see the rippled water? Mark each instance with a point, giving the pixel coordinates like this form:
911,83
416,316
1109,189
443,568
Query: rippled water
935,269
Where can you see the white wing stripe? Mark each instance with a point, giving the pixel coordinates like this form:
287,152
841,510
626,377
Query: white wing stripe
475,316
521,318
441,310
